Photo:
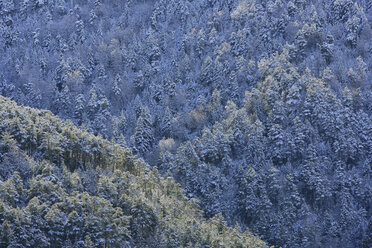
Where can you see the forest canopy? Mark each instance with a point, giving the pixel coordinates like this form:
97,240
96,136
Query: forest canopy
63,187
258,109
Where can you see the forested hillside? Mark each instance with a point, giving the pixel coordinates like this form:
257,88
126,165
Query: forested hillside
261,109
293,163
63,187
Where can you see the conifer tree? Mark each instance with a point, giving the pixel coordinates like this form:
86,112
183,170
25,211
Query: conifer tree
92,107
166,123
143,137
79,109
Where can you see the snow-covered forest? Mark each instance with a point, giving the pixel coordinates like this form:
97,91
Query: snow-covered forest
260,110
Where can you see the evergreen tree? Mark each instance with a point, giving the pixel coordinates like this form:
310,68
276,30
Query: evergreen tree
115,88
92,107
12,191
166,123
143,137
62,102
79,109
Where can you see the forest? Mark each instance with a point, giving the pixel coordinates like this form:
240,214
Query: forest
64,187
199,123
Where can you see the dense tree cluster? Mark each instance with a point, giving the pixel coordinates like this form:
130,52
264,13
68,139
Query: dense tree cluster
255,106
52,196
94,61
293,163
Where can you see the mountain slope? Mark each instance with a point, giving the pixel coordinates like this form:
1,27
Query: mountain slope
101,63
63,187
289,159
293,164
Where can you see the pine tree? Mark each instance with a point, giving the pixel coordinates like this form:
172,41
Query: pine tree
99,124
139,81
79,27
327,48
206,74
12,191
6,88
233,88
137,105
79,109
209,149
215,106
293,99
277,138
62,102
92,106
143,137
170,88
273,185
8,143
101,72
32,96
116,86
166,123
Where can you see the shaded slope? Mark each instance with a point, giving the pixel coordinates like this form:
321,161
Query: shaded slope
293,163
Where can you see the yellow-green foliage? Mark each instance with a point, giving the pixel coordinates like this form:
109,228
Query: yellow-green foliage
131,205
60,142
